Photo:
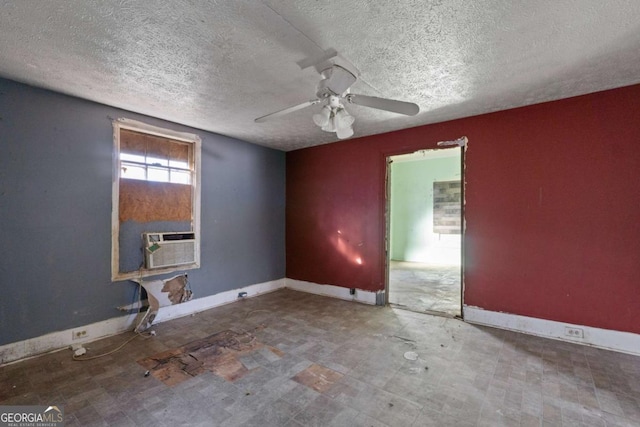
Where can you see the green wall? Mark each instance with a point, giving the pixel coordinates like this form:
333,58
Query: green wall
412,238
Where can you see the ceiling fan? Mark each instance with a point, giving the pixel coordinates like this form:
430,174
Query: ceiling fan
333,92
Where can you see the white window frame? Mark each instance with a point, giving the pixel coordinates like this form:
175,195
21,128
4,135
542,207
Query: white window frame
133,125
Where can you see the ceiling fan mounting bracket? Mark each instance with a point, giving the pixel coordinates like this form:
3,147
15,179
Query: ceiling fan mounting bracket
327,59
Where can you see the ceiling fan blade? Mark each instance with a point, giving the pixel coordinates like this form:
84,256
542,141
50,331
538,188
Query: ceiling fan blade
400,107
286,111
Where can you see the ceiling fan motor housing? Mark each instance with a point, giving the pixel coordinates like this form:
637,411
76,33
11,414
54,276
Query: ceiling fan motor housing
335,81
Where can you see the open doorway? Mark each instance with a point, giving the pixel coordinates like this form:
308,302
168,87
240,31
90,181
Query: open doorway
424,231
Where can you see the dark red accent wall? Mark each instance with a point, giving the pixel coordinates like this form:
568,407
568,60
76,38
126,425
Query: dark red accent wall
552,209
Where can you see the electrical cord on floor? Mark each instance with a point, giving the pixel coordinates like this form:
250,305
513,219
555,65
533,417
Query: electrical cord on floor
241,342
79,357
255,311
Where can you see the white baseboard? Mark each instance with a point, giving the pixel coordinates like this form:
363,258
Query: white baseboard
205,303
366,297
624,342
62,339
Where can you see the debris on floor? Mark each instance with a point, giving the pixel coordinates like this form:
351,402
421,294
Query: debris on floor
411,355
425,288
218,353
406,340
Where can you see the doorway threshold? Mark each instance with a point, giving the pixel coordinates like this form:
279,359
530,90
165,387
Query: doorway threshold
430,312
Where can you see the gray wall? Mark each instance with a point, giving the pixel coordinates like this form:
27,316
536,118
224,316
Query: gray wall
55,213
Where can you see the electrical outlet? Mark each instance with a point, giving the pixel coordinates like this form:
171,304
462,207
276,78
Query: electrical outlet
79,334
573,332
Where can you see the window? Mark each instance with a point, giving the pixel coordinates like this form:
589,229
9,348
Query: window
155,189
154,158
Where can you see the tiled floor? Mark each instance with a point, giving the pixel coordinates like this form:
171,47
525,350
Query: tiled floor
465,375
425,287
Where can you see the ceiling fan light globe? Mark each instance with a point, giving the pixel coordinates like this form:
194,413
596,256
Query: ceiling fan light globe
330,126
348,121
344,119
322,118
344,132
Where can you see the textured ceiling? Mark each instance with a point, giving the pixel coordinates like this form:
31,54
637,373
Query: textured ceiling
217,65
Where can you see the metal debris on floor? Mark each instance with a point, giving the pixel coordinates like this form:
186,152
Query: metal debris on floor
218,353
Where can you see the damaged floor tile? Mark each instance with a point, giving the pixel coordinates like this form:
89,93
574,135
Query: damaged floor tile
318,378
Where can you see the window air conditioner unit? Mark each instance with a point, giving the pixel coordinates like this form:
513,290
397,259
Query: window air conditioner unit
169,249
